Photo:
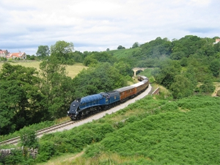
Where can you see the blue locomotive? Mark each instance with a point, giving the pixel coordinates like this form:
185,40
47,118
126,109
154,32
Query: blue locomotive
93,103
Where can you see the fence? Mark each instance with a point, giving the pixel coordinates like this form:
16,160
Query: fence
156,91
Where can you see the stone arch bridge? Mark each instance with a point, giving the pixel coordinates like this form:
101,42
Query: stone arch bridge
137,69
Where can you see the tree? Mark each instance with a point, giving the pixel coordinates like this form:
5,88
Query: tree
26,81
101,78
28,138
62,51
120,47
96,57
43,51
90,61
20,96
207,87
56,87
135,45
183,61
30,57
3,59
124,68
166,72
189,45
190,74
11,93
181,87
208,50
217,47
215,67
77,56
177,55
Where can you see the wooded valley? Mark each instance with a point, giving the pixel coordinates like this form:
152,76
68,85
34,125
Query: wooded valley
180,126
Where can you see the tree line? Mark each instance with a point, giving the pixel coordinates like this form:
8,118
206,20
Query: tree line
30,96
186,66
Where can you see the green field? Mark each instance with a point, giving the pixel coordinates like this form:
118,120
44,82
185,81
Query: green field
72,70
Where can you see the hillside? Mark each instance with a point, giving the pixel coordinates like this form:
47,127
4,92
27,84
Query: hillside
181,126
125,53
150,131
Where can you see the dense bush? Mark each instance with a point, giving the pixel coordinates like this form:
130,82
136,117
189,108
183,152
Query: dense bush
28,138
46,151
17,156
3,59
186,132
72,141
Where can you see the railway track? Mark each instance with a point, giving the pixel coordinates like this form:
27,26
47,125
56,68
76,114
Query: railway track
39,132
51,129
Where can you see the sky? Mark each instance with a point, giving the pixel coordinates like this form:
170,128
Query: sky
95,25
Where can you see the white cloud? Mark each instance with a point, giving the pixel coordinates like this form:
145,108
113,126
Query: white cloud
101,24
200,2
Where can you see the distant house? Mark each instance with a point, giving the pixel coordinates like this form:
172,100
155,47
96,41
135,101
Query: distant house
217,40
20,55
3,53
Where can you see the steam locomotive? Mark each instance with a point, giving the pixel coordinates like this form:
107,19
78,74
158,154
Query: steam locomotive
87,105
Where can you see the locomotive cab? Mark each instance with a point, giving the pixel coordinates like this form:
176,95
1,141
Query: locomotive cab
73,111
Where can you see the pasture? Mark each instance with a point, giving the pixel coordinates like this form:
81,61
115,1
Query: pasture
72,70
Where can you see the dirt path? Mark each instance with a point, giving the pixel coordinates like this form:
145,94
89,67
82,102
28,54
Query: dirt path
217,88
74,157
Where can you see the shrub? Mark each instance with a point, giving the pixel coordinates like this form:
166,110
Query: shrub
171,136
28,138
46,151
15,158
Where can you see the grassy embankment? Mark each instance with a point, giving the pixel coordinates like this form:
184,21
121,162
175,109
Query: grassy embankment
150,131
